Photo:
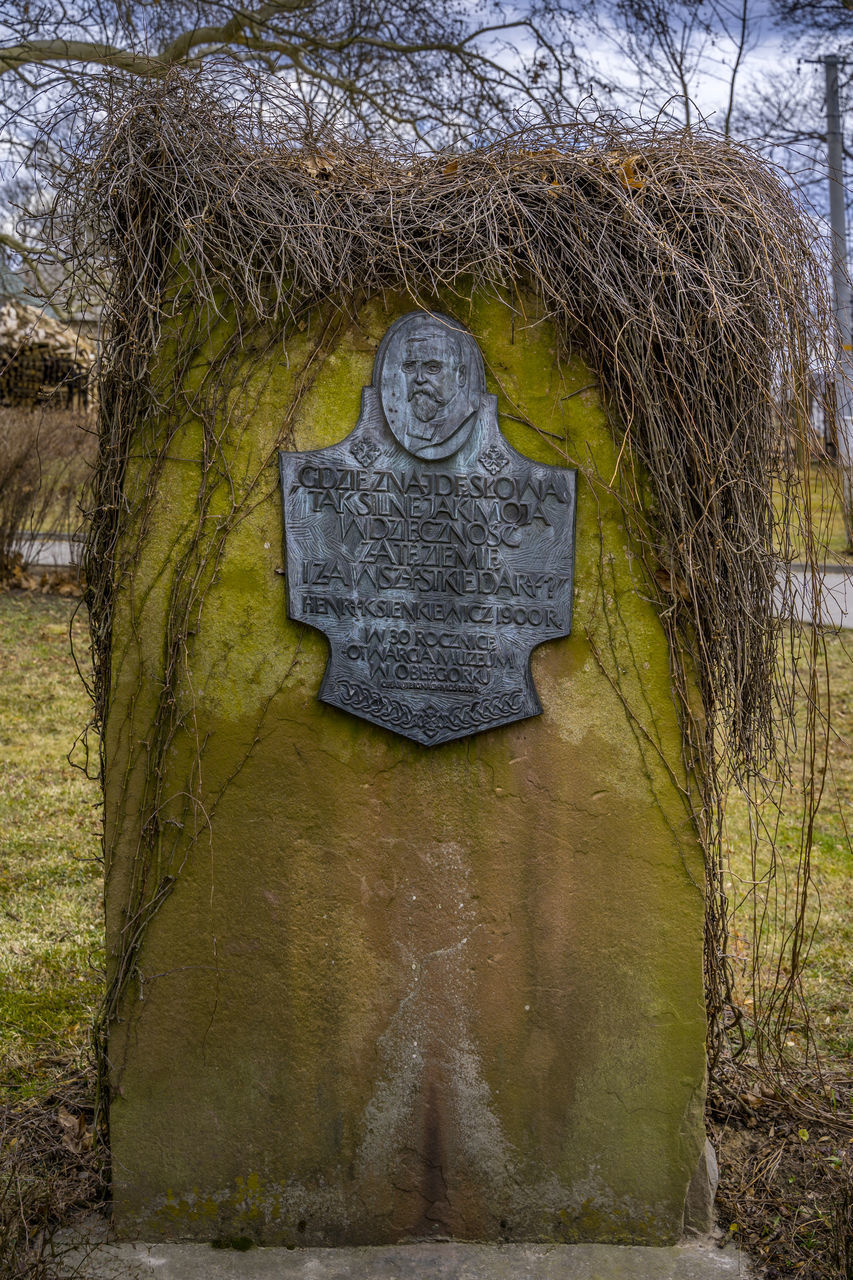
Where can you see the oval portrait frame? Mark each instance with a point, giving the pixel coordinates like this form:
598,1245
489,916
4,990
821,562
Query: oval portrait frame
389,381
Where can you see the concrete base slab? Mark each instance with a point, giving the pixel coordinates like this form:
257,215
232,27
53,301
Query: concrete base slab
699,1260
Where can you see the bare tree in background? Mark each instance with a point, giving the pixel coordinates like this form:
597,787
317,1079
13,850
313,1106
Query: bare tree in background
786,114
428,73
667,51
785,110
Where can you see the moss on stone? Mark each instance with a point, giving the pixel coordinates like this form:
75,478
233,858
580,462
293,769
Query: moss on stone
396,990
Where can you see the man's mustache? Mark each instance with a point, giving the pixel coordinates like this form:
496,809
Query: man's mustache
425,391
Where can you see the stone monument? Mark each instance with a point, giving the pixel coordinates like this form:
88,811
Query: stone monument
426,959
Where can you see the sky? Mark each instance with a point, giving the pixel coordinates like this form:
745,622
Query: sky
711,56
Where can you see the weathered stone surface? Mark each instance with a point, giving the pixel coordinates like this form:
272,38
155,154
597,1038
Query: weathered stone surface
400,992
699,1205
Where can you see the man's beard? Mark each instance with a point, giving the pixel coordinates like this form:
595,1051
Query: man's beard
425,405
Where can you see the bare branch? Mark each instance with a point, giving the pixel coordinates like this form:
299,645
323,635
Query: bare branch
28,52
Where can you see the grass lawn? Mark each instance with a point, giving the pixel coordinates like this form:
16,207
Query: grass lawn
780,1180
826,514
51,949
50,880
828,974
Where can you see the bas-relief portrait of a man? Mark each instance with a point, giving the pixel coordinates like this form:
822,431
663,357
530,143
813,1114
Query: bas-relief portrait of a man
431,378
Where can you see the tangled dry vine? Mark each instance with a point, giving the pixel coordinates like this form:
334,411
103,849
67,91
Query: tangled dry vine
678,264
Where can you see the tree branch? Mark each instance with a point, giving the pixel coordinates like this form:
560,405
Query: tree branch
13,57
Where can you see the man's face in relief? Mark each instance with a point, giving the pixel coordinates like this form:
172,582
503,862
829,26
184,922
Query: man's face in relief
434,373
430,377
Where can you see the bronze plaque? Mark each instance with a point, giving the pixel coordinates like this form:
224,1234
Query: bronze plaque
432,555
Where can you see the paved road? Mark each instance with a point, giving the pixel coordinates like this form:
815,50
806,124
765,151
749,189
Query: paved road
836,596
59,551
63,551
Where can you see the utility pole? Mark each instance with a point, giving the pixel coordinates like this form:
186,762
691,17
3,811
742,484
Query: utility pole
841,289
